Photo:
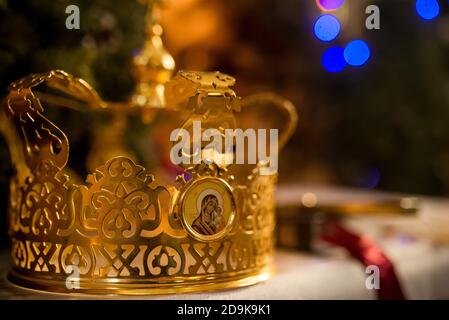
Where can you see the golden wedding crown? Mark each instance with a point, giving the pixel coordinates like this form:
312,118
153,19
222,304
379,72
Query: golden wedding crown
121,232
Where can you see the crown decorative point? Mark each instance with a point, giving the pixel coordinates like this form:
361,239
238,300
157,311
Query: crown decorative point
153,66
120,226
192,88
122,168
205,81
207,168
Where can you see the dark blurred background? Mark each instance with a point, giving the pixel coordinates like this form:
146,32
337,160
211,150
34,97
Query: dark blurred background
384,125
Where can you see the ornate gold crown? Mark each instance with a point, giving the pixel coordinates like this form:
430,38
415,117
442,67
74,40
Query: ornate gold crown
121,232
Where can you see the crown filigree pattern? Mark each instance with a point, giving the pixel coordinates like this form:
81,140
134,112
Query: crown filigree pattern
123,231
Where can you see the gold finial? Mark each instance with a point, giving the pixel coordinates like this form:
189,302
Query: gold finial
153,65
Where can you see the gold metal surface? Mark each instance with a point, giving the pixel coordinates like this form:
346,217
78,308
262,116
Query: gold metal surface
280,103
123,232
153,66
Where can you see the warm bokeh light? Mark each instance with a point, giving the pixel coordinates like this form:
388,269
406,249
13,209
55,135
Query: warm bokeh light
309,199
195,29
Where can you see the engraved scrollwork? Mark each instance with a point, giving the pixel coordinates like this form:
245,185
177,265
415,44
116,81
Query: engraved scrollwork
258,203
206,257
42,203
76,256
42,253
164,261
239,257
43,140
14,210
120,203
18,253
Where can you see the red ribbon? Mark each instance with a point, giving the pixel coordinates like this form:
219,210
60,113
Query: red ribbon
368,253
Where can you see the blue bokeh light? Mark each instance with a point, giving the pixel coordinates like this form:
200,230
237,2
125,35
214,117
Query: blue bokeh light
368,177
357,53
427,9
333,59
327,27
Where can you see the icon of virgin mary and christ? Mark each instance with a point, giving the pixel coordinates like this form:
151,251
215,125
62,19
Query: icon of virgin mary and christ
210,219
